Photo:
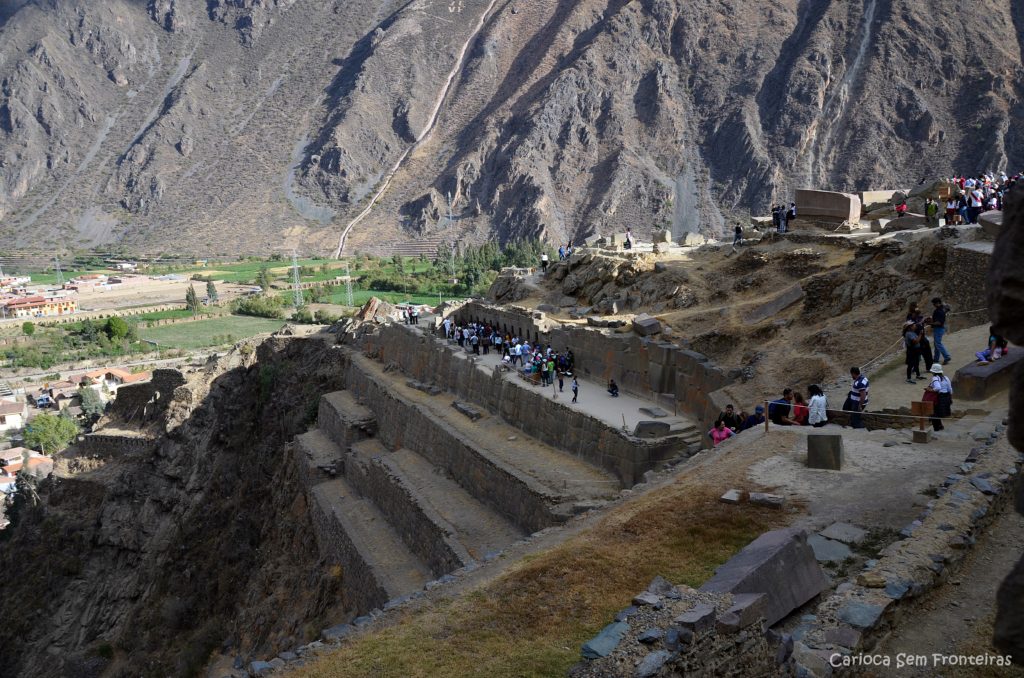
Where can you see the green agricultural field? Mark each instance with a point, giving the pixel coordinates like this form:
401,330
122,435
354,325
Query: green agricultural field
360,297
213,332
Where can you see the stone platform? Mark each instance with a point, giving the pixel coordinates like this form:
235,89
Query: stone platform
980,382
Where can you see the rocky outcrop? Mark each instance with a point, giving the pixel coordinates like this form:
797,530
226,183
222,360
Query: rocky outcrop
201,542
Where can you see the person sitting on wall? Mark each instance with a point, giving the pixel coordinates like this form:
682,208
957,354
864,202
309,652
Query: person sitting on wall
731,418
613,388
779,410
756,419
720,432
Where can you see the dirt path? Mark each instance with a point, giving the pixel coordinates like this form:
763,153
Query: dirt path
958,618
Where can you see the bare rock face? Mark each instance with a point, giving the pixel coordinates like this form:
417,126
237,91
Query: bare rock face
247,125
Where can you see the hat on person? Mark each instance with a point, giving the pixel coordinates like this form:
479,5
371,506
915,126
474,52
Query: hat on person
759,409
936,368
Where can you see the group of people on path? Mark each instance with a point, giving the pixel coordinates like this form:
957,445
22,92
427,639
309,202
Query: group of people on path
981,193
536,363
410,315
915,339
782,215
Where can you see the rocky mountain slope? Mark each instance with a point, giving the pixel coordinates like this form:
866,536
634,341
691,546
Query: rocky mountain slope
252,125
142,563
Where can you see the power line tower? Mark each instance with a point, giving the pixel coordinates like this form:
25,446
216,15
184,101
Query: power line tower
60,274
296,285
349,298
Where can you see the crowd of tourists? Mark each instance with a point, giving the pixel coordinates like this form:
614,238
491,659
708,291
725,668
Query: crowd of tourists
536,363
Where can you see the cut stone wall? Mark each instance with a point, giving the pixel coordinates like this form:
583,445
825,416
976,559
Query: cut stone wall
431,360
424,532
138,404
114,445
966,269
646,367
521,499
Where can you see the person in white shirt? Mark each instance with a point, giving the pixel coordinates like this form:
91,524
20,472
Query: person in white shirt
943,388
818,406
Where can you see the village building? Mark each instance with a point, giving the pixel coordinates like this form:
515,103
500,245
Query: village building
38,306
12,416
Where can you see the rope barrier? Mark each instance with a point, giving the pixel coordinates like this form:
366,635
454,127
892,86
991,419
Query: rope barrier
887,414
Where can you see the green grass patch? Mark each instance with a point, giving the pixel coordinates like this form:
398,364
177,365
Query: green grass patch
212,332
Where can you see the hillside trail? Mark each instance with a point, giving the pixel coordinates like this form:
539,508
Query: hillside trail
958,618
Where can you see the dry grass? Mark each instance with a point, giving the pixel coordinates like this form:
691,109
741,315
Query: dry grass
532,620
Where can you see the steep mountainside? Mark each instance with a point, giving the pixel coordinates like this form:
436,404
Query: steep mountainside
248,125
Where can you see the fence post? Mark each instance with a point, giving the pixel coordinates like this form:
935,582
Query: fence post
766,416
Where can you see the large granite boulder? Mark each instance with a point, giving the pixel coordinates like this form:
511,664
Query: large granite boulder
780,564
828,204
908,222
1005,300
991,223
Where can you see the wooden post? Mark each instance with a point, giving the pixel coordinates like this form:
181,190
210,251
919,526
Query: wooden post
766,416
923,409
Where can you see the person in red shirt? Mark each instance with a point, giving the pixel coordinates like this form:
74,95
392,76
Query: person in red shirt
800,409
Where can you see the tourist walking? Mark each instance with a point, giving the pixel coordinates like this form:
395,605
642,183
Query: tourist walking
818,406
544,262
943,398
737,236
931,212
575,389
939,330
857,399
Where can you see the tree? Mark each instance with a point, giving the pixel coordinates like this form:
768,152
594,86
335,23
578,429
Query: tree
28,329
211,292
192,300
50,433
92,403
263,279
117,328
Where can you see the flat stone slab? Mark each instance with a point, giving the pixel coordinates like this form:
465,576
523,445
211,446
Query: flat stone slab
732,497
827,550
654,412
991,223
780,564
467,410
697,619
860,615
845,533
652,429
774,501
652,664
605,642
980,382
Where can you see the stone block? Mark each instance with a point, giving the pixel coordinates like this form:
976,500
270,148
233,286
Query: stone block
663,236
260,668
828,204
780,564
697,619
732,497
652,429
468,410
867,198
645,325
652,664
825,451
844,636
770,308
908,222
860,615
693,239
991,223
827,550
774,501
337,632
980,382
748,608
921,437
617,239
605,642
844,532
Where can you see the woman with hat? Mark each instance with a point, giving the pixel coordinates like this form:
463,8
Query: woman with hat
941,386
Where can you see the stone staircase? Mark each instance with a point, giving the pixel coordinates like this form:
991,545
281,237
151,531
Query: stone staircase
403,488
